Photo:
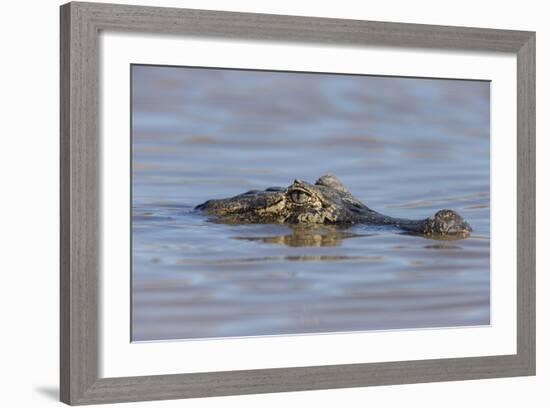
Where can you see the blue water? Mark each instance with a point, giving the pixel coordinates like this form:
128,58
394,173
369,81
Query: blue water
406,147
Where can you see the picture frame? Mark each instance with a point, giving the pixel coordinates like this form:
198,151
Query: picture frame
81,23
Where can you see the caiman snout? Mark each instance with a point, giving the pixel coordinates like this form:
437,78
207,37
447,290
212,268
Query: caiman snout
447,223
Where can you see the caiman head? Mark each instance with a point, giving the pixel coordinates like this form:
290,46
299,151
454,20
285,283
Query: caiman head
325,202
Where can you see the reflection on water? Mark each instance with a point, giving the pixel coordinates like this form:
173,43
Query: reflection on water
405,147
308,236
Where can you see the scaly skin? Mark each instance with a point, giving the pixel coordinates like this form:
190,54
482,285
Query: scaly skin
327,201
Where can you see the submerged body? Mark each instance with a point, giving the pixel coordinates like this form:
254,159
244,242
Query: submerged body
327,201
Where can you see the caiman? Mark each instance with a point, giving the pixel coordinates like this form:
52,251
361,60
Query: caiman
327,201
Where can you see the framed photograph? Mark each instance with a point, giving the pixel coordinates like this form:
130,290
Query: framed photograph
257,203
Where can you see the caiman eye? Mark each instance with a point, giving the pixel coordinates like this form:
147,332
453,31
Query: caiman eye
299,196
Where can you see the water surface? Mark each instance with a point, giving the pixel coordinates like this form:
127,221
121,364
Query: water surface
406,147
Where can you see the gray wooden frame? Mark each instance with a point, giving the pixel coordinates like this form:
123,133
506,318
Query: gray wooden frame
80,189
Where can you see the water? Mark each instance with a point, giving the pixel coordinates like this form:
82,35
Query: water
405,147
